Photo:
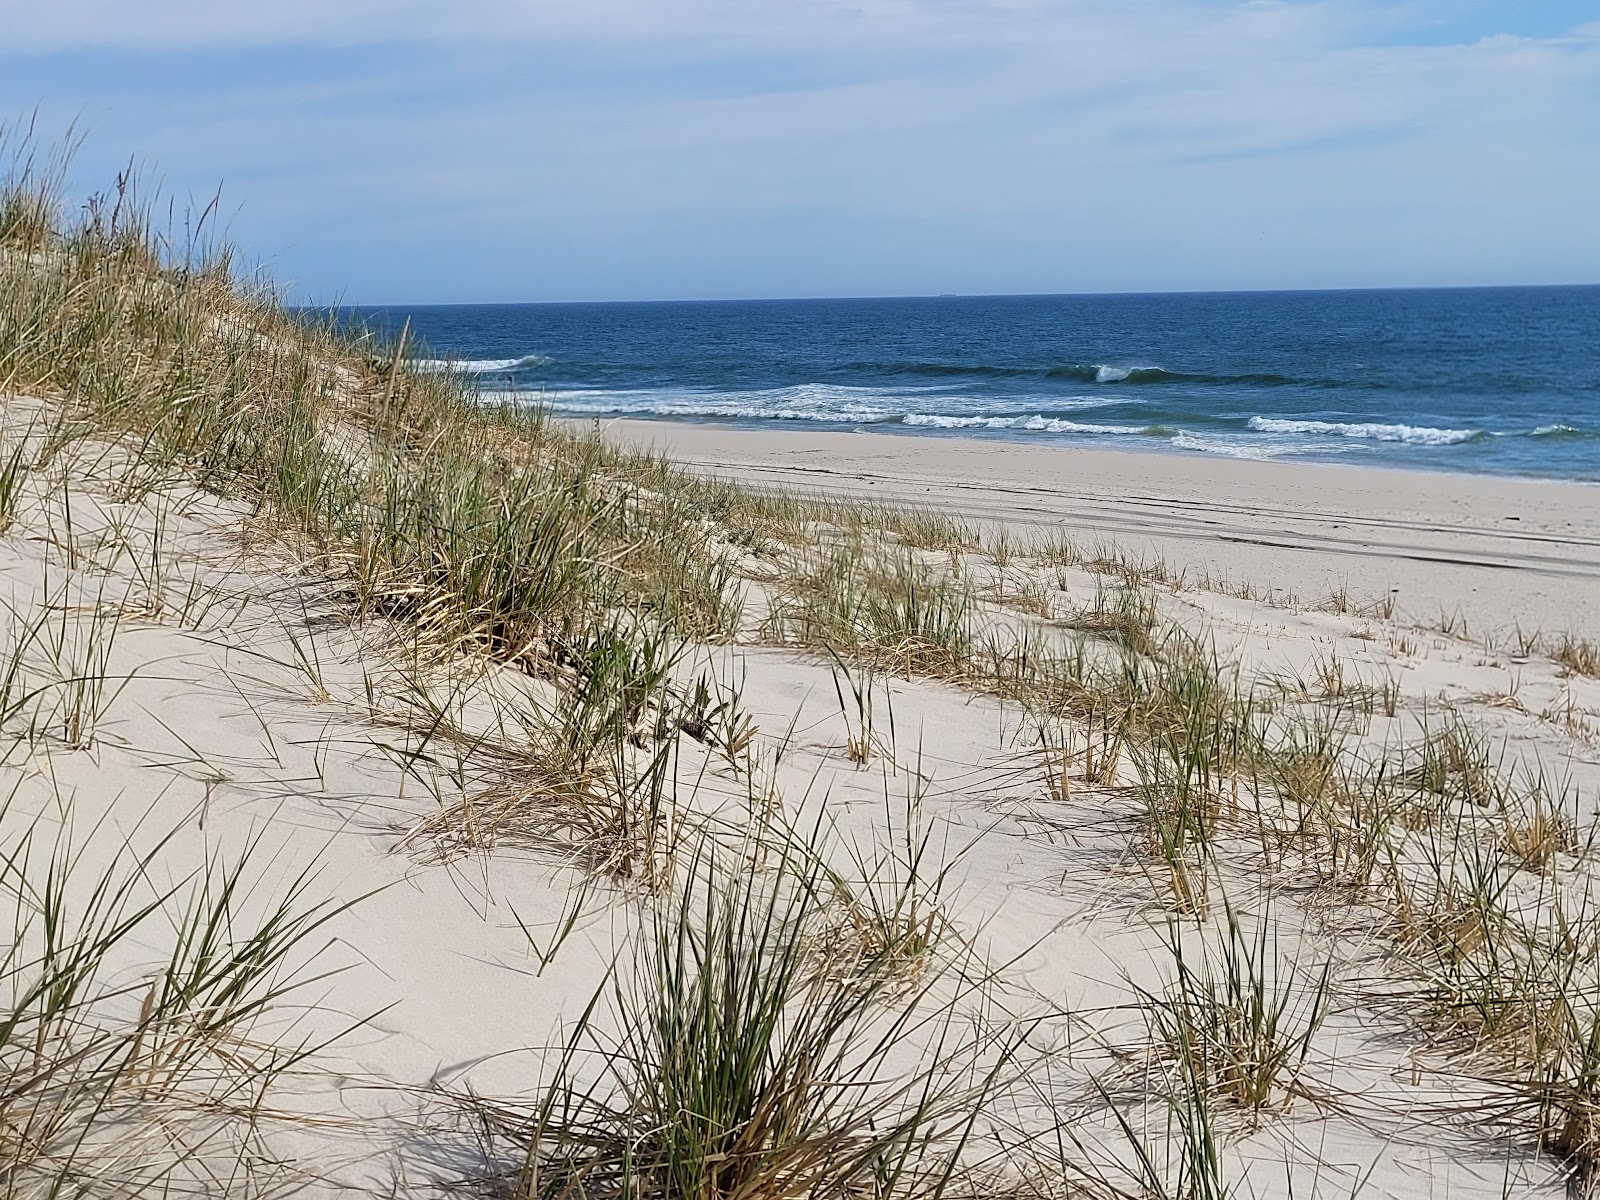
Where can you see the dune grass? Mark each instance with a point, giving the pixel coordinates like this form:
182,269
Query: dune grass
126,1074
742,1067
484,538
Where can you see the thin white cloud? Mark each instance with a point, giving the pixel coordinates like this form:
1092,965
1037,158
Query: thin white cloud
1092,143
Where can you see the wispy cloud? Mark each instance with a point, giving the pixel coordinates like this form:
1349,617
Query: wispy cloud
618,147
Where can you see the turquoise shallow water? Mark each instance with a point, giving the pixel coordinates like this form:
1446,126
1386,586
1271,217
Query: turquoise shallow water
1492,380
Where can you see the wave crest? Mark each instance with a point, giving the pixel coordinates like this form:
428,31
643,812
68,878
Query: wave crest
476,366
1411,435
1038,423
1563,432
1106,373
1097,373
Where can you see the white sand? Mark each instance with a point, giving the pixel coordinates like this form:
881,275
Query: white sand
251,719
1501,551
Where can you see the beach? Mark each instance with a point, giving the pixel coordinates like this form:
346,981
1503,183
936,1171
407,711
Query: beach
894,600
410,795
1500,552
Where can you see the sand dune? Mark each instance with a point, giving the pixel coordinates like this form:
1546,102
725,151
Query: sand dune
252,705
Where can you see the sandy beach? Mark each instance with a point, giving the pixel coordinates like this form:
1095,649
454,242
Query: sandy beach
1503,552
401,797
264,718
843,600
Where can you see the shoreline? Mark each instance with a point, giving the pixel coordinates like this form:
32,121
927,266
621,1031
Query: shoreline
1159,447
1502,552
1136,447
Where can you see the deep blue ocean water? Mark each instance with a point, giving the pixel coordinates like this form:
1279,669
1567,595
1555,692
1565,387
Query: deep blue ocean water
1490,380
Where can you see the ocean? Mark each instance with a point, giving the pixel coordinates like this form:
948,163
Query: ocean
1483,380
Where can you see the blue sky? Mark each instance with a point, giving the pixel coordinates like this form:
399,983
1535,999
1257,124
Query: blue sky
499,150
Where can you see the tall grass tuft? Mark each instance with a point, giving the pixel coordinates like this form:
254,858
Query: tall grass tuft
1237,1017
121,1071
891,609
740,1071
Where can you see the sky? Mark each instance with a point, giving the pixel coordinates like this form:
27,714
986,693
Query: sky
412,151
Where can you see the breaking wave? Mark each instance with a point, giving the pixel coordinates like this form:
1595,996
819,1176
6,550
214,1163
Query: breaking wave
1124,374
1034,424
1098,373
476,366
1563,432
1411,435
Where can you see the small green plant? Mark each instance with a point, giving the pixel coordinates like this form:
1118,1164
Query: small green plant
1238,1019
713,713
741,1072
861,737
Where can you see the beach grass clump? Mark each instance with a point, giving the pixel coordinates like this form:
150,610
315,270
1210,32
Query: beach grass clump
1125,615
55,667
1581,656
740,1071
1540,821
891,608
1563,1085
1181,818
1195,736
1453,763
1238,1017
123,1073
584,760
1305,773
860,710
929,529
886,912
1479,954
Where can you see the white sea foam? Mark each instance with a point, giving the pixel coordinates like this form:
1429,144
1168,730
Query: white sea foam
1034,424
1413,435
476,366
1190,441
837,403
1112,374
1058,425
809,402
939,421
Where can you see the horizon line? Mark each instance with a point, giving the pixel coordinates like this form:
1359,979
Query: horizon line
823,298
